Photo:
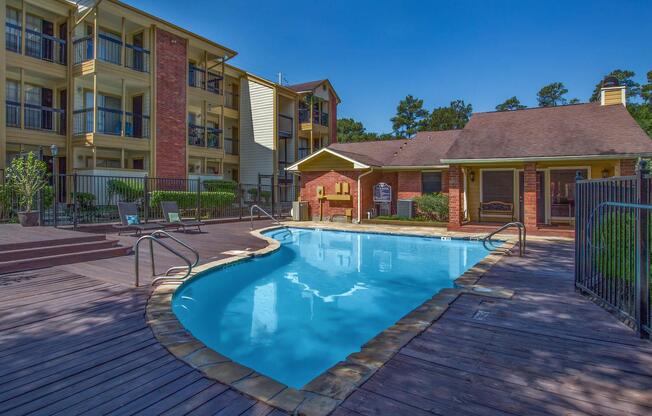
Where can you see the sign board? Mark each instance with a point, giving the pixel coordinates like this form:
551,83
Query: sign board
382,193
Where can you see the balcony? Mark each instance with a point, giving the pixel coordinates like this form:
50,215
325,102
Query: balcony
109,121
285,126
231,146
196,135
231,100
304,115
37,45
36,117
204,80
213,137
110,50
303,152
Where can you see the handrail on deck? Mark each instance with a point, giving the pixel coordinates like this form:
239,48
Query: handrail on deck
522,235
270,216
153,238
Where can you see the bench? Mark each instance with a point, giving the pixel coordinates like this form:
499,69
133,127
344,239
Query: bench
496,209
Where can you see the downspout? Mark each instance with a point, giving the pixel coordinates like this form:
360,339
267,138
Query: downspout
359,190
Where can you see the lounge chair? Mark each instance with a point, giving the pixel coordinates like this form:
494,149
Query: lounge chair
173,217
129,209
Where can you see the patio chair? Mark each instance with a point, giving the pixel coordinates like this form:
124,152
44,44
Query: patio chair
173,217
129,211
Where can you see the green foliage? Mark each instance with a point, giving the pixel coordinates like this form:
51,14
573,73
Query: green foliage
433,206
27,177
453,117
48,197
125,190
614,240
625,78
265,196
5,202
410,117
350,130
646,90
510,104
552,95
643,115
188,200
85,200
215,185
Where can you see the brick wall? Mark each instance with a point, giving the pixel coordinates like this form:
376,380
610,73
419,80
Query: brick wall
409,184
367,189
530,190
455,203
311,180
171,67
627,167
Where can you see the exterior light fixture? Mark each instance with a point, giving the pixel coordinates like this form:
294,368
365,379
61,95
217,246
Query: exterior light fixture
54,150
472,176
605,173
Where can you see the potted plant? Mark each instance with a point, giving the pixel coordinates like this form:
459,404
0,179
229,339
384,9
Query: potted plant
27,177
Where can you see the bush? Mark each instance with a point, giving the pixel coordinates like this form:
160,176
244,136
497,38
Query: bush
433,206
265,196
215,185
614,241
188,200
85,200
125,190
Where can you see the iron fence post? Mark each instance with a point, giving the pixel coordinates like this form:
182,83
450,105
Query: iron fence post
146,198
642,251
55,200
197,211
40,202
240,193
74,200
578,234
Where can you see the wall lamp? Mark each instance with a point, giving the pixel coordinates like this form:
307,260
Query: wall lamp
472,176
605,173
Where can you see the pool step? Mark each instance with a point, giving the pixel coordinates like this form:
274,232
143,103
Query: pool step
41,254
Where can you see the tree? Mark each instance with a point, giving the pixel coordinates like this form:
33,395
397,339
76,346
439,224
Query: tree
453,117
27,177
552,95
510,104
642,113
625,78
350,130
646,90
574,101
410,117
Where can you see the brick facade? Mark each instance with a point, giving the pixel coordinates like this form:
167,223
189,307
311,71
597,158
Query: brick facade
311,180
530,190
409,184
455,195
627,167
171,69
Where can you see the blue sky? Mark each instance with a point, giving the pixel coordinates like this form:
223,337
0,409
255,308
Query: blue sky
376,52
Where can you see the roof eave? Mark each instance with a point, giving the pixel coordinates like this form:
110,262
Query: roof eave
547,158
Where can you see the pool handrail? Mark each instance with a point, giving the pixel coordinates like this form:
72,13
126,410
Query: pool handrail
522,236
270,216
153,238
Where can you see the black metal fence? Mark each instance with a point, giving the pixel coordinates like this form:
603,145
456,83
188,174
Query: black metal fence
77,199
612,245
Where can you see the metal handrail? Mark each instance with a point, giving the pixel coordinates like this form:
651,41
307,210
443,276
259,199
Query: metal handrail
152,238
270,216
181,242
522,236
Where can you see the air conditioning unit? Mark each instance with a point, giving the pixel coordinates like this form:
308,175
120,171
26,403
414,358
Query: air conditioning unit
405,208
300,211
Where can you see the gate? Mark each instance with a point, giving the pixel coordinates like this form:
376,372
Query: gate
612,245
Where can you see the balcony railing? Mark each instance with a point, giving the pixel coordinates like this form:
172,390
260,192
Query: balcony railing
285,125
110,50
13,114
303,152
304,115
324,119
13,37
231,100
37,44
195,135
82,121
213,137
200,78
137,126
231,146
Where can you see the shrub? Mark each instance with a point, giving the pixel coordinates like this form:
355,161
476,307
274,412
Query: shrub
27,177
85,200
433,206
188,200
265,196
614,241
215,185
125,190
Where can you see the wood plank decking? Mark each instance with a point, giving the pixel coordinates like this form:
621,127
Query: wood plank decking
74,344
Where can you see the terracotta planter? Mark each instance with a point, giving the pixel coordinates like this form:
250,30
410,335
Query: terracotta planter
28,219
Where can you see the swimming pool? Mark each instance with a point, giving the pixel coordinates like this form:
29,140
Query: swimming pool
293,314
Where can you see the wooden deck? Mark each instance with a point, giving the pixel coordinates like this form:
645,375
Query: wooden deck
78,344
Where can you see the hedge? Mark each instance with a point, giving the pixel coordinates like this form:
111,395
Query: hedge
433,206
215,185
127,190
188,200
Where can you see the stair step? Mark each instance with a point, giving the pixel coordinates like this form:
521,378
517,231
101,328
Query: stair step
61,259
52,242
37,252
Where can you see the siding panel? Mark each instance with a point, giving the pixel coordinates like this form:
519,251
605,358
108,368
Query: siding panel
256,131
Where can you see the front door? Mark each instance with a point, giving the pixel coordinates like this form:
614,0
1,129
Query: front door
541,202
137,103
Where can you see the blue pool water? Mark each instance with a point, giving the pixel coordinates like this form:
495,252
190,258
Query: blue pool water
295,313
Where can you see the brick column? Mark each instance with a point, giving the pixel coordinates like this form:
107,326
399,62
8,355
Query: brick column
530,195
455,204
627,167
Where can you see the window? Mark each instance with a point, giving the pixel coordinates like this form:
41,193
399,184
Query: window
562,192
430,182
498,185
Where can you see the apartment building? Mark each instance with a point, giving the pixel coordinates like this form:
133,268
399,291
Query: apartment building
121,92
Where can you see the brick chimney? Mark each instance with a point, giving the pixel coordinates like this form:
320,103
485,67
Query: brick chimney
612,92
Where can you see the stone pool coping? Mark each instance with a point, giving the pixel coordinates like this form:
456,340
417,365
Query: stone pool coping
322,394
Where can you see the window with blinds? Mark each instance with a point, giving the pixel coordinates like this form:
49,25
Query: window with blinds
498,185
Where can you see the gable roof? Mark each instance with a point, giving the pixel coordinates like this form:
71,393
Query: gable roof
311,85
580,130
